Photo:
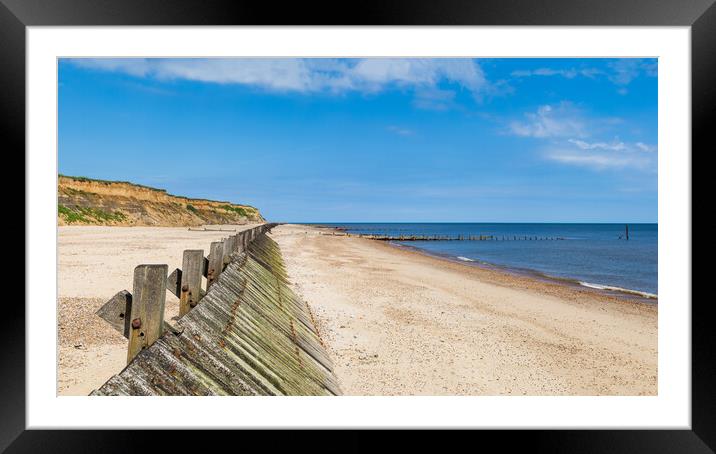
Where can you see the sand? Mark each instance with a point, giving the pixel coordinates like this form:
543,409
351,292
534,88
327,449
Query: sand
95,263
395,321
399,322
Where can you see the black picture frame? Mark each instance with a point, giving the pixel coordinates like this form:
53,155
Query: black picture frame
700,15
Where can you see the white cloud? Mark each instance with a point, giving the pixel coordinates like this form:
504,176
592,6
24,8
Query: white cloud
566,128
551,121
614,146
620,72
279,74
400,131
139,67
645,147
434,98
307,75
569,73
597,161
602,155
426,72
276,74
624,70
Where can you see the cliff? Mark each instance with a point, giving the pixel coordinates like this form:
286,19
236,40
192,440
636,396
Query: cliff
85,201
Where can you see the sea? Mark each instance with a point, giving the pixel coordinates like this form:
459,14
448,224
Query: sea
591,255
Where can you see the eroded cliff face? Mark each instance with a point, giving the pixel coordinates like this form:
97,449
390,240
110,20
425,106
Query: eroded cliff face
83,201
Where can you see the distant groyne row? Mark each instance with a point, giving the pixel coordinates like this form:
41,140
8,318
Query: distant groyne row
448,237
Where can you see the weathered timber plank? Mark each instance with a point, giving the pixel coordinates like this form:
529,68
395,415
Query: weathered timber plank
174,282
147,314
190,288
116,311
228,249
216,262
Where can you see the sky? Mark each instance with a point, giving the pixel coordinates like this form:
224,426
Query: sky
373,140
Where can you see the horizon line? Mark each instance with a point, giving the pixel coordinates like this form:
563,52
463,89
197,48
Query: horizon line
469,222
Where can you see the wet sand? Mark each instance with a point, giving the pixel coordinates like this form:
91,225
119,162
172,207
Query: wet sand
399,322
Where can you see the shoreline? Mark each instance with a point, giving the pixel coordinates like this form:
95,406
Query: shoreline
626,294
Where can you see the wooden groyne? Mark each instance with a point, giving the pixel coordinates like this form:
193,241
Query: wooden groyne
460,238
247,333
208,229
448,237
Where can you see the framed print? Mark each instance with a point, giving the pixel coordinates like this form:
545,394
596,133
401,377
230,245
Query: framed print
471,216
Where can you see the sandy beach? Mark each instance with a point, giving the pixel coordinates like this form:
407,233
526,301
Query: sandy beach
395,321
95,262
398,322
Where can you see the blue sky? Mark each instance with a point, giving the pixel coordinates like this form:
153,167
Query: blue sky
391,140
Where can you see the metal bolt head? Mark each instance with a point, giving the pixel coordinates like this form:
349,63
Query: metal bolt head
137,323
192,303
184,288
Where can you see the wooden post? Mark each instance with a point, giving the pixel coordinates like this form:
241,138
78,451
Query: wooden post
241,242
216,261
228,249
192,264
147,312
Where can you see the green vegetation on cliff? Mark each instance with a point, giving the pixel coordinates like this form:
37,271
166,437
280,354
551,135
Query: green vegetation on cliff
87,215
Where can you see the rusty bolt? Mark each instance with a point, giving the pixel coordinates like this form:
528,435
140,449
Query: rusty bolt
184,288
137,323
192,303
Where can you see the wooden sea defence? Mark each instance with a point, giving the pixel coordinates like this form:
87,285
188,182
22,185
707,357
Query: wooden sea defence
208,229
248,333
449,237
